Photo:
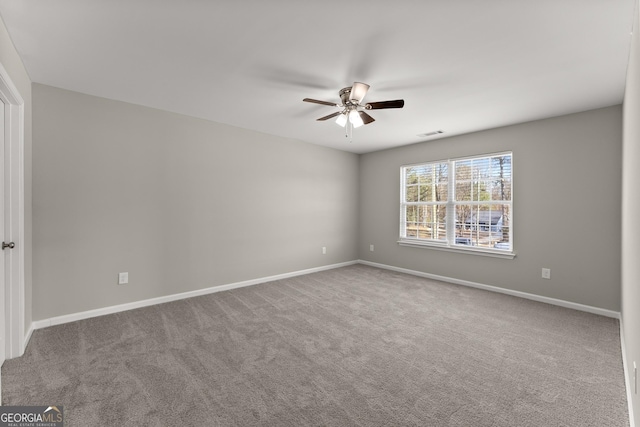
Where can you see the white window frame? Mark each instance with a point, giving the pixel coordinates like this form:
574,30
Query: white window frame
449,243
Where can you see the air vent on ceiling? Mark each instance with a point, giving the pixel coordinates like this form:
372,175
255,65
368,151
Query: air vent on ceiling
435,132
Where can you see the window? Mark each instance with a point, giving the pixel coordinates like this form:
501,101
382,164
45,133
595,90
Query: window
462,204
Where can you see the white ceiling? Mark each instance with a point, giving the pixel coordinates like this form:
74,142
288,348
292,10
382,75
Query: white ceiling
460,65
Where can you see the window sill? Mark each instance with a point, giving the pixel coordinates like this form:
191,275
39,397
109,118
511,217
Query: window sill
462,250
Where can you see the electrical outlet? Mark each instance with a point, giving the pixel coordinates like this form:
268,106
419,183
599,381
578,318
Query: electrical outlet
546,273
371,248
324,250
123,278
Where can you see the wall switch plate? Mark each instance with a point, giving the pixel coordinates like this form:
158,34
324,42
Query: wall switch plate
546,273
371,248
123,278
324,250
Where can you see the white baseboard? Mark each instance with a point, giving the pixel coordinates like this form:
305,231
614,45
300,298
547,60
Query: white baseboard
58,320
627,377
39,324
525,295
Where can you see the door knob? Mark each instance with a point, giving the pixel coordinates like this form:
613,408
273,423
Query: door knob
9,245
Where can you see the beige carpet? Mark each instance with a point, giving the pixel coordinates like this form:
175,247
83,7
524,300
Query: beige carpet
355,346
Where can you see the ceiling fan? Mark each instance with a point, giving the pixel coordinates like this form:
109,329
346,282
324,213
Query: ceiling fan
352,106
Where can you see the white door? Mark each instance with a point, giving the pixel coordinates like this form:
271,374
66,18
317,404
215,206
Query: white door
2,234
12,321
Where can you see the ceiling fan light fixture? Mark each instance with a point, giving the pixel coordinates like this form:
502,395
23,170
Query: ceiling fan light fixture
353,114
358,91
355,119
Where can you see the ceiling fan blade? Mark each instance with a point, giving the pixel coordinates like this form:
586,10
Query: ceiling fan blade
329,116
358,91
398,103
315,101
366,119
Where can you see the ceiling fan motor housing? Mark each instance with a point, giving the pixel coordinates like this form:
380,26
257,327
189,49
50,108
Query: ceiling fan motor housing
344,96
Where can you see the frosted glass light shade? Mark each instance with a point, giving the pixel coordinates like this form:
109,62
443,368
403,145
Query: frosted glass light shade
355,119
341,120
358,91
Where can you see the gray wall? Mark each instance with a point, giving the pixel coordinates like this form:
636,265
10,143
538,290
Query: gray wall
631,213
566,173
180,203
13,64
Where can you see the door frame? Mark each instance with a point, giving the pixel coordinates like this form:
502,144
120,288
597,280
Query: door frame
14,185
